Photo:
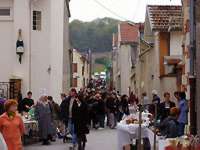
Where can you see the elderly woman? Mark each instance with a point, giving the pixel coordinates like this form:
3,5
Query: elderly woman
43,115
11,126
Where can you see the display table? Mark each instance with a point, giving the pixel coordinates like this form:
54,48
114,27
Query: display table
30,126
31,134
127,132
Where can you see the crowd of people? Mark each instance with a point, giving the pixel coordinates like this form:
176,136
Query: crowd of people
87,109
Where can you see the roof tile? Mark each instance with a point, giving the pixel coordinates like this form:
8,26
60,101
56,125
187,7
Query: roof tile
128,32
165,17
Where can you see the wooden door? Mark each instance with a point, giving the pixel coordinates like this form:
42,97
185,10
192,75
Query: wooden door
15,88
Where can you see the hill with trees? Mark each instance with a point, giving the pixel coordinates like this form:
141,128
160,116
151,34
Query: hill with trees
95,35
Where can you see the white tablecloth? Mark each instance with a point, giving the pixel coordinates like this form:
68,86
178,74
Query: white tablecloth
127,132
162,144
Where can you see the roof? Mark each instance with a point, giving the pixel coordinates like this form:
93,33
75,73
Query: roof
128,33
165,18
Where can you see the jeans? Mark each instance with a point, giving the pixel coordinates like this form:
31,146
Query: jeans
181,129
72,132
112,120
101,120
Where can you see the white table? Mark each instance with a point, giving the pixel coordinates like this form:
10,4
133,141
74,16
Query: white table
127,132
30,125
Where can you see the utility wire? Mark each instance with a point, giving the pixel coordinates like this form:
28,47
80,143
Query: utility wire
111,11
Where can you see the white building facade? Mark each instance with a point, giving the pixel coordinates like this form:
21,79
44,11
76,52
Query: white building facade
45,62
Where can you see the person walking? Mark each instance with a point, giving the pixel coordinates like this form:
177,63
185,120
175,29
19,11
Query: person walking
12,126
44,117
184,109
166,106
100,111
112,110
66,115
80,120
124,105
55,112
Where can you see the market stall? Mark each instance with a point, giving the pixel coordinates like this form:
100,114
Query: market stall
31,134
128,130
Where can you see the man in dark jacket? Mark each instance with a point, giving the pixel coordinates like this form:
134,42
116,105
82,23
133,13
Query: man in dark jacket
112,107
166,106
66,114
100,109
80,120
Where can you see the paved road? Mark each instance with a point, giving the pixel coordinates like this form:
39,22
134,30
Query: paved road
97,140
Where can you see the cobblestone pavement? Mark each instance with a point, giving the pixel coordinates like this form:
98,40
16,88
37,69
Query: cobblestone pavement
97,140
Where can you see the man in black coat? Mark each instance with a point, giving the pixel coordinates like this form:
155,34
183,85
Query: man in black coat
166,106
66,114
80,120
100,109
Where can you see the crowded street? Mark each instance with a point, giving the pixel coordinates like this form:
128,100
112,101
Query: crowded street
99,75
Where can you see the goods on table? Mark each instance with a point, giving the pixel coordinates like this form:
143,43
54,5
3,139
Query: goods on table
183,143
134,119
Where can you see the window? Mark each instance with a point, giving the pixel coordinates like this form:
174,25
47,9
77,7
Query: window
75,68
37,20
75,82
4,12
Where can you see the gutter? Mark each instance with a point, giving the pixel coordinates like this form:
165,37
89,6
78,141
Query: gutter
30,50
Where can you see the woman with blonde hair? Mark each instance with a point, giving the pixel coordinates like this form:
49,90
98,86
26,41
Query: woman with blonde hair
12,126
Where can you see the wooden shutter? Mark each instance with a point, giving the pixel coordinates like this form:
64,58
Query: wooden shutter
75,68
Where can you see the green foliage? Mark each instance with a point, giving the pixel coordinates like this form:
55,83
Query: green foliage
95,35
103,61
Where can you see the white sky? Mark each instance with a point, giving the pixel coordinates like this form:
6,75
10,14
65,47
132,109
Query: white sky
133,10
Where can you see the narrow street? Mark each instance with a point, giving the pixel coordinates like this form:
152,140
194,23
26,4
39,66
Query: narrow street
97,140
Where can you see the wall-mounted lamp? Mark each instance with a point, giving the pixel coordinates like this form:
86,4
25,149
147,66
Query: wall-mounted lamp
20,46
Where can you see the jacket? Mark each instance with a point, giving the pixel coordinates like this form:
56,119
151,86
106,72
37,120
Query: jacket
169,127
80,118
12,131
164,112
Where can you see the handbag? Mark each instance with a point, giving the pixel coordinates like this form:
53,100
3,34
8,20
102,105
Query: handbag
3,145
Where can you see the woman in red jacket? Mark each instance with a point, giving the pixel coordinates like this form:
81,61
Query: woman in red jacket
11,126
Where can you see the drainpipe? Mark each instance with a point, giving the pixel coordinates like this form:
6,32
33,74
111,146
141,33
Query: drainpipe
192,48
30,31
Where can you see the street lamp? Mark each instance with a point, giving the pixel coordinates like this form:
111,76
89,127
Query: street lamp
20,46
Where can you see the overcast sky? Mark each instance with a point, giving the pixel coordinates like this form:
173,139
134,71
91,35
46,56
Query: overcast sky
133,10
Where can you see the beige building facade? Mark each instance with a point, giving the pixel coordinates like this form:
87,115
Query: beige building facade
81,70
160,53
